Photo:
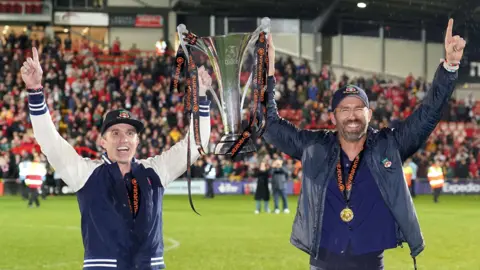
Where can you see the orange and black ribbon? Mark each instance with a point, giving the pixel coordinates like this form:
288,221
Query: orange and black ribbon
345,187
258,99
191,101
134,200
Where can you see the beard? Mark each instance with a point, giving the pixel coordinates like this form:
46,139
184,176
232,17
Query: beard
352,134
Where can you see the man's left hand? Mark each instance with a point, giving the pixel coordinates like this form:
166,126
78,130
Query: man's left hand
204,81
454,45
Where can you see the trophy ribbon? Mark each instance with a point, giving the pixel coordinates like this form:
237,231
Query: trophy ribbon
191,103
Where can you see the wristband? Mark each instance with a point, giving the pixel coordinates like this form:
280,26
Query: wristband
35,90
451,67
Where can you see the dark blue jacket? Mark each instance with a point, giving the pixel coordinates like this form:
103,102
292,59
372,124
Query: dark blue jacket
319,152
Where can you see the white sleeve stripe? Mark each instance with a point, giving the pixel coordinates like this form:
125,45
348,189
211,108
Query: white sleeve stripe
100,265
32,105
157,259
157,263
39,109
100,260
35,93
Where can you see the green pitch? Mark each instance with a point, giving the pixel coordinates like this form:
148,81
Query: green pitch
227,236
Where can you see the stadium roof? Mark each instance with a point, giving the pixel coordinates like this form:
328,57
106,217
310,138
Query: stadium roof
400,12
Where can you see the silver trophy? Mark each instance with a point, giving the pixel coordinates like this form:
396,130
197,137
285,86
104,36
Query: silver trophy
227,54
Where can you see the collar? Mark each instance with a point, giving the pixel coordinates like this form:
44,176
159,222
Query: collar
108,161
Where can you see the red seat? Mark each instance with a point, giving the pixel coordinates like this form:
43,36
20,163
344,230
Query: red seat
28,9
17,8
8,7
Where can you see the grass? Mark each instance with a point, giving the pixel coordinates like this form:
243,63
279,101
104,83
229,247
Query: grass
227,235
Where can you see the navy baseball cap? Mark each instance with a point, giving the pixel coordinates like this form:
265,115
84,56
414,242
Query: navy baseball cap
118,117
347,91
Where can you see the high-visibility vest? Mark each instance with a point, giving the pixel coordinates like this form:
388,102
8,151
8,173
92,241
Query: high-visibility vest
435,176
408,172
33,172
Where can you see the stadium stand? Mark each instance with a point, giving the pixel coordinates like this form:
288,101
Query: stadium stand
83,83
21,6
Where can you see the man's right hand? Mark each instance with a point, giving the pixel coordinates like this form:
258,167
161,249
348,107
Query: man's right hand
32,71
271,56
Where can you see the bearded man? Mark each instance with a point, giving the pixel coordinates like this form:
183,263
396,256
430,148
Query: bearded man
354,201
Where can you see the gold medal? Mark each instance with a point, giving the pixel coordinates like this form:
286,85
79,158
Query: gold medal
346,215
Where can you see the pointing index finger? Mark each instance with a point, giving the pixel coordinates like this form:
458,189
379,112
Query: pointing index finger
448,34
35,54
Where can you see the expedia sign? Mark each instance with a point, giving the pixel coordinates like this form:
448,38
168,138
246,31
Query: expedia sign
461,188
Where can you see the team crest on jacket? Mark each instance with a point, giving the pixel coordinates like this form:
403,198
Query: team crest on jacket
350,90
123,114
386,163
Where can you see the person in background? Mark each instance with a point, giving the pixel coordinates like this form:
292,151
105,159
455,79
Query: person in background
414,167
262,192
280,177
408,172
34,174
436,179
210,175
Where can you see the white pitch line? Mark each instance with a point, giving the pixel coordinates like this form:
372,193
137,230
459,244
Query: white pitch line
174,244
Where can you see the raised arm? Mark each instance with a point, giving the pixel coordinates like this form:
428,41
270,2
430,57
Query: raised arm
172,163
279,132
416,129
73,169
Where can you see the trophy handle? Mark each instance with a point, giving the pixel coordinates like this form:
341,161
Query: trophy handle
200,45
181,30
263,27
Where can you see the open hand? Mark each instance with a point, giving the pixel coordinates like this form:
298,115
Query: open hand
32,71
454,45
204,81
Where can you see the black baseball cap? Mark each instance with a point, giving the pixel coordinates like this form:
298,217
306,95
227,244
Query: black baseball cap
347,91
120,116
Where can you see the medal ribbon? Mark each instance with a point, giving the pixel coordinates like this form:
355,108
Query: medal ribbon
133,202
346,188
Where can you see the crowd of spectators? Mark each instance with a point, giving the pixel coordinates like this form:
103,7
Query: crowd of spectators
81,89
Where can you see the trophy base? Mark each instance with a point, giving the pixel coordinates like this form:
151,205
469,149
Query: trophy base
228,140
